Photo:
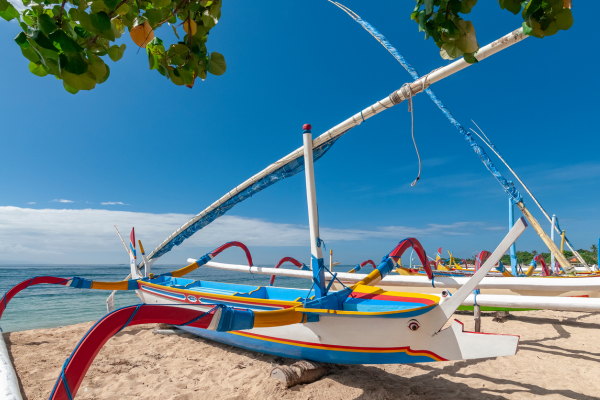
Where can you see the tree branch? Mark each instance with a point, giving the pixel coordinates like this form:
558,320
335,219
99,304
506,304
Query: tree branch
117,7
174,12
62,9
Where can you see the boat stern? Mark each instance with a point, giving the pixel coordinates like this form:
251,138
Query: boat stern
457,344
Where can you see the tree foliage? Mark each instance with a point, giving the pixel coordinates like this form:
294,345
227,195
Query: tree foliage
525,257
442,21
70,39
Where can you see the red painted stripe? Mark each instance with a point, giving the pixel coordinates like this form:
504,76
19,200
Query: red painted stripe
23,285
204,295
333,346
84,355
369,296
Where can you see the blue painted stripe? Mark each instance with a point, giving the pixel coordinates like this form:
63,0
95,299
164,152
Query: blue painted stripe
164,293
306,353
212,290
234,304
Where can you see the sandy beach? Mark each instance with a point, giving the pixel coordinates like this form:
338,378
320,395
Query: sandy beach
558,358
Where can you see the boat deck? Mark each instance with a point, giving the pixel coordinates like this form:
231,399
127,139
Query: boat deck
363,299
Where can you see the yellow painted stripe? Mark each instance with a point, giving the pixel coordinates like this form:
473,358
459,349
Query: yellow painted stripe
325,347
185,270
378,291
360,313
121,285
267,319
224,297
375,275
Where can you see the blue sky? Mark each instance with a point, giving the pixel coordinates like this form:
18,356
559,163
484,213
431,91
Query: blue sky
168,152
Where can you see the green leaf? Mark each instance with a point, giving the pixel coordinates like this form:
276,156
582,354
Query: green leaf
21,40
467,5
422,21
564,19
69,88
82,33
65,42
178,49
86,23
73,63
514,6
175,76
73,14
440,16
101,22
98,69
209,20
105,77
161,3
428,7
46,24
86,81
42,40
187,75
466,42
99,6
156,16
175,31
30,54
470,58
116,52
123,9
10,13
552,29
216,64
111,4
449,51
37,69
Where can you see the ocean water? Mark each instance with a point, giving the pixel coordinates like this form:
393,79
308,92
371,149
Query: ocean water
50,306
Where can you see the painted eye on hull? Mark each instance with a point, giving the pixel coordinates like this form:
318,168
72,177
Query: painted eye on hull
413,325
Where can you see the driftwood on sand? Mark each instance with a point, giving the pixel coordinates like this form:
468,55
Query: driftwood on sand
301,372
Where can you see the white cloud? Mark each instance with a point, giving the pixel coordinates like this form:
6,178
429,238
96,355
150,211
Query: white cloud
57,235
113,203
62,201
31,202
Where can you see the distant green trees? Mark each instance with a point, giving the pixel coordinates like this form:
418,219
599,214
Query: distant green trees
525,257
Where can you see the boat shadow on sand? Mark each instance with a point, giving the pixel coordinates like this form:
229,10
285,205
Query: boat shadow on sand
389,381
399,381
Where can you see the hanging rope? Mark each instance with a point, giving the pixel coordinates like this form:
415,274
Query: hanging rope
407,93
512,191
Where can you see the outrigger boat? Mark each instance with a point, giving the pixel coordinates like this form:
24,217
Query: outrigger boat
361,324
358,324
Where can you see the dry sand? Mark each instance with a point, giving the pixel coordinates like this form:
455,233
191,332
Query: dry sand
558,358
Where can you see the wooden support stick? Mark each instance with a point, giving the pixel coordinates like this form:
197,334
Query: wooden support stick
560,257
301,372
477,317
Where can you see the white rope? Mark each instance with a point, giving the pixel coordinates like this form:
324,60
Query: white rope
407,93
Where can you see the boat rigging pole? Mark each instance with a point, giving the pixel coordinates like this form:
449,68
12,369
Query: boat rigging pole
421,84
316,253
246,190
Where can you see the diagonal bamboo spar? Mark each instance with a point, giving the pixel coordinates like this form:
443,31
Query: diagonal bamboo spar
483,53
393,99
495,150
